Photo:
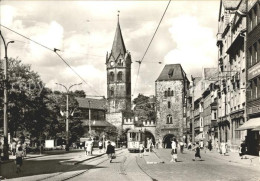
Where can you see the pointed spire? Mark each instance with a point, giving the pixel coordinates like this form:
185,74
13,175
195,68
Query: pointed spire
118,44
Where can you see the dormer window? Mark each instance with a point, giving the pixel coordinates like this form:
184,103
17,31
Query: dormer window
170,73
112,92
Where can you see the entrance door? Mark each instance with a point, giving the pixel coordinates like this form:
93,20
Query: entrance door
167,141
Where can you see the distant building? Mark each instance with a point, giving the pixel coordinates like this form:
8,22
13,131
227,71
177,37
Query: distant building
97,110
170,92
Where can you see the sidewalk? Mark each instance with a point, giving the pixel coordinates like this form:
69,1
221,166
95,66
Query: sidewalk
235,158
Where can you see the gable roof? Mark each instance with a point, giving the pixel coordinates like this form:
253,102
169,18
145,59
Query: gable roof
99,104
172,72
231,4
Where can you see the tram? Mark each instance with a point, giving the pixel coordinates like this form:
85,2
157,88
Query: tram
134,139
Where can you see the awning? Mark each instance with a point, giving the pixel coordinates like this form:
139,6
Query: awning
250,124
256,129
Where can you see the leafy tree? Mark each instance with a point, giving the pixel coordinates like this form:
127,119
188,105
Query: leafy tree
144,109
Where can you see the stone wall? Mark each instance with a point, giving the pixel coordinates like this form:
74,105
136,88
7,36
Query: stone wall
176,108
115,118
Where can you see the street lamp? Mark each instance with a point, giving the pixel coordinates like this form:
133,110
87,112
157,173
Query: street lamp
67,112
5,146
89,119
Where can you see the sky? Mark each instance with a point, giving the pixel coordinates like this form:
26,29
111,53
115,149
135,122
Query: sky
84,32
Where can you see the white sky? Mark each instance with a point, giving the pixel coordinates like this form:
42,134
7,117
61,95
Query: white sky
84,31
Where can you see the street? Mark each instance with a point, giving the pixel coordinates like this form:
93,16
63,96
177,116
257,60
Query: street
129,166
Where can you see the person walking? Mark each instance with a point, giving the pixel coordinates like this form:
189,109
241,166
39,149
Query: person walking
210,145
19,159
181,146
24,147
13,148
197,151
141,150
174,150
100,146
242,150
110,151
1,150
223,148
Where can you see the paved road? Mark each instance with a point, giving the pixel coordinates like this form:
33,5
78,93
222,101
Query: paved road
128,167
209,168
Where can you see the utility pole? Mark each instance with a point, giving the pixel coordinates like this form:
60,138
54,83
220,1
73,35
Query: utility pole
5,146
89,118
67,113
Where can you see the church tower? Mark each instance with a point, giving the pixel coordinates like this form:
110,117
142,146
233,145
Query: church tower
118,63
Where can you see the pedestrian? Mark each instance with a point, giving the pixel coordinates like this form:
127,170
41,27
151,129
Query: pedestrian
19,159
217,146
174,150
242,150
223,148
181,146
1,150
210,145
148,146
110,151
100,146
141,150
13,148
189,146
24,147
197,151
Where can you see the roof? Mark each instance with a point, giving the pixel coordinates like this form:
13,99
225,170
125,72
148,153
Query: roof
172,72
94,103
242,6
96,123
118,44
231,4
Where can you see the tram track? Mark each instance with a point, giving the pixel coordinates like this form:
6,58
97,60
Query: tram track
57,176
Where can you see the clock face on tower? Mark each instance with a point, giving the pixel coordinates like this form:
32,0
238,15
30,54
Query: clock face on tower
112,64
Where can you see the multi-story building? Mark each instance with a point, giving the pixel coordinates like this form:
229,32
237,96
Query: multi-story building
253,77
231,70
170,92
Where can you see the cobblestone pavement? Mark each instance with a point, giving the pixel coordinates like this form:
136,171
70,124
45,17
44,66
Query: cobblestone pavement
209,168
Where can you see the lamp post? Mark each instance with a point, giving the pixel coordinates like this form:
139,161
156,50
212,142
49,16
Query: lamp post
89,119
67,112
5,146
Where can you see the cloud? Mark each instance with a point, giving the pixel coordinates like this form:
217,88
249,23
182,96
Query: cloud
196,45
7,14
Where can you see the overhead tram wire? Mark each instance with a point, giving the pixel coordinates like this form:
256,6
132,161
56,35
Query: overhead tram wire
140,62
53,50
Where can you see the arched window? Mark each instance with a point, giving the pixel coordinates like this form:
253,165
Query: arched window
112,91
112,76
120,76
120,62
172,93
169,119
169,104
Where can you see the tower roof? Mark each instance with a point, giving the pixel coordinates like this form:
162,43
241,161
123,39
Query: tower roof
172,72
118,44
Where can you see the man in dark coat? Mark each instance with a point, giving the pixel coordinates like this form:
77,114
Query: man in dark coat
110,151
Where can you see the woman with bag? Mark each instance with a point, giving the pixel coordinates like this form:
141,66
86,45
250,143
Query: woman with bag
19,159
110,151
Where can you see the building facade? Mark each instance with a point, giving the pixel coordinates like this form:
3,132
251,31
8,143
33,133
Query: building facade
231,43
253,77
170,92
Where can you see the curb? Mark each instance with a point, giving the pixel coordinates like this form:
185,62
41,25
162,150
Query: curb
77,162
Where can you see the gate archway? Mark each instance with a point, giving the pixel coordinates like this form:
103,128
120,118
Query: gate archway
167,141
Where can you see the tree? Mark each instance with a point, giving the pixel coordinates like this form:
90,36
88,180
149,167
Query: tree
144,109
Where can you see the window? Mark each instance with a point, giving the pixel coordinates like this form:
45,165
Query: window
169,104
165,93
112,76
255,53
255,12
169,119
172,93
170,73
250,57
255,82
120,62
119,76
112,91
